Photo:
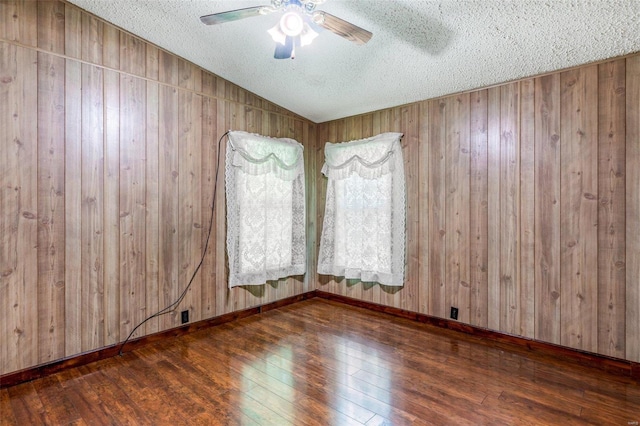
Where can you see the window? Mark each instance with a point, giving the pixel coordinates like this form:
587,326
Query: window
264,181
363,234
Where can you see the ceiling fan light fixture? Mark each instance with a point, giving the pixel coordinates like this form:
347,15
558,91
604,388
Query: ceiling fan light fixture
292,23
307,36
277,35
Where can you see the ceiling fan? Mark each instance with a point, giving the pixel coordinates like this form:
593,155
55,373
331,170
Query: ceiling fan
295,28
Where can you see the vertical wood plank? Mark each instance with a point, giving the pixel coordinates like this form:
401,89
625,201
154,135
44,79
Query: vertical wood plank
457,205
169,192
494,224
510,209
185,79
73,206
18,220
111,207
72,32
232,92
169,199
111,47
92,228
478,202
547,208
437,206
6,18
18,21
51,215
50,166
579,208
527,208
26,152
189,202
209,84
152,65
8,200
92,32
132,204
51,26
196,72
210,164
411,129
423,200
220,88
632,305
611,208
132,54
152,202
189,76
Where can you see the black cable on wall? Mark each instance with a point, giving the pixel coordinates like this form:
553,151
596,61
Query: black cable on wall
171,308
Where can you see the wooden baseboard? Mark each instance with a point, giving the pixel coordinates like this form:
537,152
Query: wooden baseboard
28,374
489,337
507,341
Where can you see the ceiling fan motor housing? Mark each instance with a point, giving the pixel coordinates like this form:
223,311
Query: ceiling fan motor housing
308,5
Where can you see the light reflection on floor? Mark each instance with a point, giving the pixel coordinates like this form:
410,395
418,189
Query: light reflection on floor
268,382
353,380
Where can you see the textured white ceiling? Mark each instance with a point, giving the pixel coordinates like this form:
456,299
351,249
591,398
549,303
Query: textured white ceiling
420,49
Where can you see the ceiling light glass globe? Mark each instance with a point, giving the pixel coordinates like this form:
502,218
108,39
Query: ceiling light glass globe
291,24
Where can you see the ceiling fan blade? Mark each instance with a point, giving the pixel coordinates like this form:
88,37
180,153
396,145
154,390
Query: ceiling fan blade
234,15
284,51
341,27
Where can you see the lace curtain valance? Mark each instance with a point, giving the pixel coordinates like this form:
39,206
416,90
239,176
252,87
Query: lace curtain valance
363,234
264,181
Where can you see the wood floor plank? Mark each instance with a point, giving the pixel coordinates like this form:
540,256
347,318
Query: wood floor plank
58,409
26,405
319,362
7,418
120,404
85,400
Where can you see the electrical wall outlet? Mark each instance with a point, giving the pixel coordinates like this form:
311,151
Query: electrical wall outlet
454,313
185,316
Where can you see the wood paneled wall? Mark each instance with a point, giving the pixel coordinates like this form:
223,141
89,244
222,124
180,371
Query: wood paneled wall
107,171
523,207
523,199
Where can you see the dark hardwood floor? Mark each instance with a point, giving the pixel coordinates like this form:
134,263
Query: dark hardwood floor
319,362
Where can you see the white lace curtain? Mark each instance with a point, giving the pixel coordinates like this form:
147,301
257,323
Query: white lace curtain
363,234
264,181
